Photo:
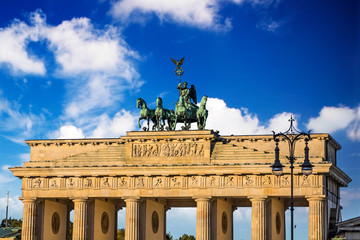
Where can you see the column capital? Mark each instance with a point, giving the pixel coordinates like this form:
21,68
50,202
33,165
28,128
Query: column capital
315,198
27,200
79,199
202,198
257,198
131,199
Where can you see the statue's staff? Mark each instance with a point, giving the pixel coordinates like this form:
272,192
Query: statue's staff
178,71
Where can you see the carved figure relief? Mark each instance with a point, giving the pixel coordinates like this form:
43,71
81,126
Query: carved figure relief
54,183
305,180
155,222
70,182
212,181
230,181
158,182
88,182
285,180
194,181
175,182
37,183
266,181
105,182
122,182
140,182
249,181
191,149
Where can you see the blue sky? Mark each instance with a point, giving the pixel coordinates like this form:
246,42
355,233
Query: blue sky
75,69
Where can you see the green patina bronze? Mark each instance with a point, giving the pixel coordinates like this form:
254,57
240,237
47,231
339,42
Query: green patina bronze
186,110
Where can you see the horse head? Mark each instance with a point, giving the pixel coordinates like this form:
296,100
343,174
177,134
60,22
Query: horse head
203,100
159,103
140,103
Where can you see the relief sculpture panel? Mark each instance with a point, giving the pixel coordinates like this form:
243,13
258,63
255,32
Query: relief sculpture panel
183,149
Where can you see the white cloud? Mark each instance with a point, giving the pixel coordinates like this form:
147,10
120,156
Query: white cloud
5,175
98,63
18,124
14,40
332,119
24,157
240,121
354,128
269,25
15,207
350,195
203,14
123,121
69,132
79,47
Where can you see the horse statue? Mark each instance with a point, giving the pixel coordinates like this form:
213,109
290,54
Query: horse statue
202,114
184,114
146,113
163,114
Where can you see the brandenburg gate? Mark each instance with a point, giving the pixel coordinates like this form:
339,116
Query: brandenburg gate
148,172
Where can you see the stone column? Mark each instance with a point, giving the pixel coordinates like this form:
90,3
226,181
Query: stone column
28,225
316,218
80,219
203,219
258,224
132,219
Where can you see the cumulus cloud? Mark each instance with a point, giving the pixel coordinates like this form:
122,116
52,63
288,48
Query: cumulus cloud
14,40
123,121
203,14
332,119
240,121
68,132
98,63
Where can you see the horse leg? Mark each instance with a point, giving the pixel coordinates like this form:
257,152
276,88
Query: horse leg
139,122
148,123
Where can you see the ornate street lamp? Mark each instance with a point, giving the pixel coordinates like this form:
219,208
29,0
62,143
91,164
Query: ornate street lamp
292,135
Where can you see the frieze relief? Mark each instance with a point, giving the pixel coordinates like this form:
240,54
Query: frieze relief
180,149
212,181
175,182
194,181
105,182
304,180
249,181
123,182
266,181
71,183
165,182
54,183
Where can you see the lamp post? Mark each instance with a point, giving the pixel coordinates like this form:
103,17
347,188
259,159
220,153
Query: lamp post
292,135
